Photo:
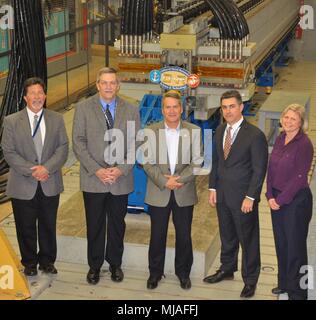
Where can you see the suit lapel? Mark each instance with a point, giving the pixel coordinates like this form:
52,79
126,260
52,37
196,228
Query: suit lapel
237,144
161,145
220,142
180,144
26,129
120,115
97,108
48,133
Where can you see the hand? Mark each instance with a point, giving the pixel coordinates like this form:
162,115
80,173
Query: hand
114,173
40,173
247,205
173,183
273,204
104,175
212,198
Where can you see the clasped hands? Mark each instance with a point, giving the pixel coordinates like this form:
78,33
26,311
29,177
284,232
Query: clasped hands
40,173
172,182
108,175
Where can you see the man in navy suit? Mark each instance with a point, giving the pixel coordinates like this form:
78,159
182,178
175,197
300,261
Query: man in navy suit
238,169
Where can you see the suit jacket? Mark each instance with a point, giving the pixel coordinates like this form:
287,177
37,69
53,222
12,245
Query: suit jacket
19,152
89,144
243,172
157,194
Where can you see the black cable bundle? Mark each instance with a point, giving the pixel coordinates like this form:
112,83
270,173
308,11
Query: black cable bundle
241,18
231,21
124,16
28,59
151,15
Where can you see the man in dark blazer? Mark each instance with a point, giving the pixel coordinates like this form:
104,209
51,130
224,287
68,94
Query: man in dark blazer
238,169
35,145
105,182
171,188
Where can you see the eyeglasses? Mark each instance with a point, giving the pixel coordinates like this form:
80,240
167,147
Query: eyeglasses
230,107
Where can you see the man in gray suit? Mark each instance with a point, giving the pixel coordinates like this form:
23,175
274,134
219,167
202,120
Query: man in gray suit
35,145
105,184
171,187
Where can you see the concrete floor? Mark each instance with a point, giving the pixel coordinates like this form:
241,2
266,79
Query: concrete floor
70,282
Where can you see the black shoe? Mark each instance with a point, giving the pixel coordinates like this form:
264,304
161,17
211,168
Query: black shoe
93,276
277,290
248,291
117,274
152,282
30,271
49,268
219,276
185,283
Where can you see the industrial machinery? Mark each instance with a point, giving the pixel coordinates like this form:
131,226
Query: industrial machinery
227,44
223,41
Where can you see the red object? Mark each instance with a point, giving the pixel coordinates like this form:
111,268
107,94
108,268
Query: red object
299,30
193,81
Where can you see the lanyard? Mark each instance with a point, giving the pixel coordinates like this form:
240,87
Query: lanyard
38,124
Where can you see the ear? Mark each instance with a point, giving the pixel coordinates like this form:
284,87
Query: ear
24,97
242,107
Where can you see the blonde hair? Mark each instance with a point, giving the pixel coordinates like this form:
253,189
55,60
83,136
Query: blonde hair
300,111
172,94
106,70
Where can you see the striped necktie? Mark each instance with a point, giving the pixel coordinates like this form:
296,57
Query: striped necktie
109,118
228,142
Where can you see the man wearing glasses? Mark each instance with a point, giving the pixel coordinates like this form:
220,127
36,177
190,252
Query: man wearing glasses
105,183
238,169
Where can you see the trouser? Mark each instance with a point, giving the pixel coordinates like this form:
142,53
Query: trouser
182,220
105,214
290,228
241,228
35,219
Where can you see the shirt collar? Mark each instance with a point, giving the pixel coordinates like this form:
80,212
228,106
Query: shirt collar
236,125
112,104
171,129
31,114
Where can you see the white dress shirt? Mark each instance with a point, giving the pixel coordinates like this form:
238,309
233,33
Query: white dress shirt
172,138
42,127
234,131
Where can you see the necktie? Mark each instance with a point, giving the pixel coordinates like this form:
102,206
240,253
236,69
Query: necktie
109,118
228,142
37,139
